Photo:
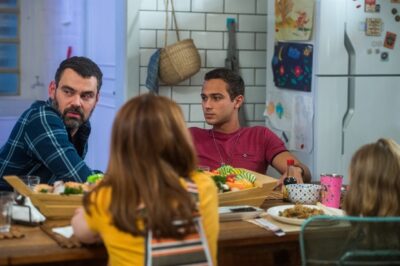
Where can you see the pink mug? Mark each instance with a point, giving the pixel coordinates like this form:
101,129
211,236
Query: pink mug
331,189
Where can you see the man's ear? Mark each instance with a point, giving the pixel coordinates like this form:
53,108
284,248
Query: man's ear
239,101
52,89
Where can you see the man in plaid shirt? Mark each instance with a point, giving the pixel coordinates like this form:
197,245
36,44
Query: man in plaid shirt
50,138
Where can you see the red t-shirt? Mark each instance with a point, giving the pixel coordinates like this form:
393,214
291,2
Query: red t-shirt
251,148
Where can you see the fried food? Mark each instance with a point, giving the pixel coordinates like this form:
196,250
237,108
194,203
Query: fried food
300,212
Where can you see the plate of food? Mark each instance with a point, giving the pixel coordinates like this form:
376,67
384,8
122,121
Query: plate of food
296,214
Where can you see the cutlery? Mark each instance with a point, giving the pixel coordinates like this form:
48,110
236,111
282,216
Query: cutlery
268,225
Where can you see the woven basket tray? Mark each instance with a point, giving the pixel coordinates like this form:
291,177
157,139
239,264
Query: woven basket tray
52,206
252,196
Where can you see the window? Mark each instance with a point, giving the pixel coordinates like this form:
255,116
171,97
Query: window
9,47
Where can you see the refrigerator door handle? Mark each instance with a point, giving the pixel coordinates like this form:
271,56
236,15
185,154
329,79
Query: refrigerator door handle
350,86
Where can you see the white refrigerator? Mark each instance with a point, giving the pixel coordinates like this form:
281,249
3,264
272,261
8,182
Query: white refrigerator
355,83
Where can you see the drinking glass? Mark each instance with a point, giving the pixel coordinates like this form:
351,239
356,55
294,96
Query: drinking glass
6,202
30,180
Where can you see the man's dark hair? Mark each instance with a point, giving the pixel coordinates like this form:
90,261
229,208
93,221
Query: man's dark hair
234,81
85,67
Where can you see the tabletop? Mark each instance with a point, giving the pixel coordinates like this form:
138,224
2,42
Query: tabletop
240,243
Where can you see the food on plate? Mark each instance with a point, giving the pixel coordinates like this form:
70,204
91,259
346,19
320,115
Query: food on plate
228,178
300,212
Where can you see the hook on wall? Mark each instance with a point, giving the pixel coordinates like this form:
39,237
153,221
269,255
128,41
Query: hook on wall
37,83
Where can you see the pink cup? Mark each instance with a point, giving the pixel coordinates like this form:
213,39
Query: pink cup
331,189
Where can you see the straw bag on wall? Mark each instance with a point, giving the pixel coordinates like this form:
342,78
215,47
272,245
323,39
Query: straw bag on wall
180,60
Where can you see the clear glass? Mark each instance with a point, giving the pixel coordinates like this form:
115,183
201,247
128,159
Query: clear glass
30,180
6,203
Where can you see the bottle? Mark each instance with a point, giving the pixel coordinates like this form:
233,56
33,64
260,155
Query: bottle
289,179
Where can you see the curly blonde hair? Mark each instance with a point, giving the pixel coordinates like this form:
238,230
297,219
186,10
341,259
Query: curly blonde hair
375,180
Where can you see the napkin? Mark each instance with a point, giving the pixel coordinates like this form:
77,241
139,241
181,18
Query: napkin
21,212
65,231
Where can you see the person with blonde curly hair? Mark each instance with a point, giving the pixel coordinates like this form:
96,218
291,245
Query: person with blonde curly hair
374,180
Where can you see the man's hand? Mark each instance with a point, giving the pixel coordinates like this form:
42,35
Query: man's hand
297,173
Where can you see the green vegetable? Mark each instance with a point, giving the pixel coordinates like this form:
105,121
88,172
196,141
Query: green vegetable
219,181
246,175
71,191
93,178
226,170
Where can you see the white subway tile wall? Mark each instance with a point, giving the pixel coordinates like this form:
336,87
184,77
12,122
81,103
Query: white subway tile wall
205,22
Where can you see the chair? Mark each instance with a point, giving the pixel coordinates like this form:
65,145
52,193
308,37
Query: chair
348,240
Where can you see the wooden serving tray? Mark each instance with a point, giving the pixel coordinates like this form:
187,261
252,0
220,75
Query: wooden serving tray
252,196
52,206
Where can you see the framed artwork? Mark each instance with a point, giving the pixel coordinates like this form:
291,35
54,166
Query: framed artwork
8,3
9,47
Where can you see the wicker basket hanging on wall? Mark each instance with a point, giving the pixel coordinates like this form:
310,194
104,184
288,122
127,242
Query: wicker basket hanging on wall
180,60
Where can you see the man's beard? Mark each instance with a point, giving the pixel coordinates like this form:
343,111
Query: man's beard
71,122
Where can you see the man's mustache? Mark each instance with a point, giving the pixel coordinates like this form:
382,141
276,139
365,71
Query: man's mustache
77,110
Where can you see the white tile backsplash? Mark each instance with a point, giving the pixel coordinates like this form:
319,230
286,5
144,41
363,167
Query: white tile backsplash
180,5
152,20
261,77
143,75
186,94
247,75
254,23
262,6
249,111
252,58
185,110
191,21
243,40
261,41
215,58
217,22
147,38
207,40
196,112
240,6
171,37
145,55
205,22
197,79
255,94
148,5
207,6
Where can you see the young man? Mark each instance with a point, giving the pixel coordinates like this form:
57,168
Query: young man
50,138
253,148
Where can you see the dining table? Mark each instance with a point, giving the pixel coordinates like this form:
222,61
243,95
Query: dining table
239,243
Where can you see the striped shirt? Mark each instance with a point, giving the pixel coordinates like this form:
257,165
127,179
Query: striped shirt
40,145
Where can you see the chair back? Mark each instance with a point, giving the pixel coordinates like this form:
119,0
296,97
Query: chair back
348,240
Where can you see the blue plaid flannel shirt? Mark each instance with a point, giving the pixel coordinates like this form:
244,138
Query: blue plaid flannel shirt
40,145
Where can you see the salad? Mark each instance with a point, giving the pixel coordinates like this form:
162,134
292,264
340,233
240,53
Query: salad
228,178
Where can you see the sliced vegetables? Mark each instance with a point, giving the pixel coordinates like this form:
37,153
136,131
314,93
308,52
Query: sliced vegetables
228,178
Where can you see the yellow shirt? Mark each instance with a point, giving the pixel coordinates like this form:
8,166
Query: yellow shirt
125,249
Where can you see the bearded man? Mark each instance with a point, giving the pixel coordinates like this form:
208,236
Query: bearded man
50,139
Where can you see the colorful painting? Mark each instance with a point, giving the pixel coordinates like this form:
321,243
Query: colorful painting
292,66
293,20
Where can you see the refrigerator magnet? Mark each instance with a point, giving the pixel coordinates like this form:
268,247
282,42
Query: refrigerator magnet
390,39
370,5
374,27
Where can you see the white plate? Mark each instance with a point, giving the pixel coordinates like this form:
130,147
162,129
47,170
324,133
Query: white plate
274,213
